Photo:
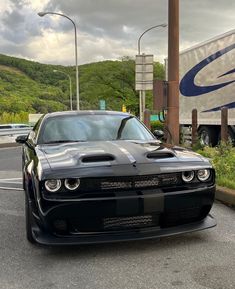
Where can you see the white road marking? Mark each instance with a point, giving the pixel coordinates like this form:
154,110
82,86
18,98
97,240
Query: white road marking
10,179
10,182
10,148
11,189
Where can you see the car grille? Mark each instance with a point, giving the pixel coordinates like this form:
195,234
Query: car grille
129,222
129,182
107,224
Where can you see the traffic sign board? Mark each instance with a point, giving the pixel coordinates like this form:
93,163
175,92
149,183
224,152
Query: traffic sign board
102,104
144,72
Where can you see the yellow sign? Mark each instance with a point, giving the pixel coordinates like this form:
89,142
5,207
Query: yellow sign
123,108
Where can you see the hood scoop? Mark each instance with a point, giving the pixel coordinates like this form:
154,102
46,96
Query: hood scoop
158,155
97,158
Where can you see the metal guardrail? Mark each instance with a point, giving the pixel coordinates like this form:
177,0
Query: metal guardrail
15,131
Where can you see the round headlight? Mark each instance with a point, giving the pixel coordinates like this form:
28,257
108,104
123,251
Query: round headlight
53,185
72,184
203,175
188,176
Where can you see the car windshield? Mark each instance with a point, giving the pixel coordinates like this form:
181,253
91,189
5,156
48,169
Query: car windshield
92,127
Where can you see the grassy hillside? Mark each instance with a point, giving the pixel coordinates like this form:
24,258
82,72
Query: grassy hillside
27,86
19,93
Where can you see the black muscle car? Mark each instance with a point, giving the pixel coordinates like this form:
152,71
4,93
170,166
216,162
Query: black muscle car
96,176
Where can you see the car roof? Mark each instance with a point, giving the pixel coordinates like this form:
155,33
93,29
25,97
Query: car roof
85,112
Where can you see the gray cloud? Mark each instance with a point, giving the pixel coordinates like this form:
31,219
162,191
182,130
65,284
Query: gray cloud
18,23
107,18
199,20
112,24
203,19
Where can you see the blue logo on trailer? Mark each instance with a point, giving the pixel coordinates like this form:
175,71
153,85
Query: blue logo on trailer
189,88
218,108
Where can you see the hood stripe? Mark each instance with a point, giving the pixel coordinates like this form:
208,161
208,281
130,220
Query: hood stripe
126,152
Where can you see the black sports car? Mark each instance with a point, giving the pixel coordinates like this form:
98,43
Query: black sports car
95,176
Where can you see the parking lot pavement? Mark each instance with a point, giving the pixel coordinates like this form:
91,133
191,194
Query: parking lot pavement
192,261
10,160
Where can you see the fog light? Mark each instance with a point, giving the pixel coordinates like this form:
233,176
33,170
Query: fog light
72,184
53,185
188,176
203,175
60,225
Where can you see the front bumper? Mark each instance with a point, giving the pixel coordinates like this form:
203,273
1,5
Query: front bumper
174,213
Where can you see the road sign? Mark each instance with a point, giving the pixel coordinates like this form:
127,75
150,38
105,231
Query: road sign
144,72
102,104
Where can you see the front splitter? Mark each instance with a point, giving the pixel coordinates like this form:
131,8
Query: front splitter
44,238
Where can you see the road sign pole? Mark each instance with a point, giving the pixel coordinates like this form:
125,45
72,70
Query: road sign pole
143,101
140,105
144,79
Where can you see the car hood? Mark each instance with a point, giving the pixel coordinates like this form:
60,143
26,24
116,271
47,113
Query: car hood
116,158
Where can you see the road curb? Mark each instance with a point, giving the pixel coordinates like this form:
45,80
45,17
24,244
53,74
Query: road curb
225,195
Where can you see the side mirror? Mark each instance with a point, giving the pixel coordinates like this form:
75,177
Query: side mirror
158,133
21,139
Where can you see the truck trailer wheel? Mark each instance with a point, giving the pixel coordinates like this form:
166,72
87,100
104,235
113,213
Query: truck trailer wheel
207,136
231,136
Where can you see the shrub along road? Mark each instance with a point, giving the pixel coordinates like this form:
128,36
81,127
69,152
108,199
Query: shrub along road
198,260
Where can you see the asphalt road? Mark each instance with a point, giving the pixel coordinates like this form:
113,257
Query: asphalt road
199,260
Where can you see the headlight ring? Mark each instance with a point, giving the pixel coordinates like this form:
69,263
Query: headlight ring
203,175
188,176
53,185
72,184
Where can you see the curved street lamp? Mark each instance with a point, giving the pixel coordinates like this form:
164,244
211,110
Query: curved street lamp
142,92
156,26
41,14
70,87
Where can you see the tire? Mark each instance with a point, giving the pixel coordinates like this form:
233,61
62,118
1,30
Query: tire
231,136
207,136
28,221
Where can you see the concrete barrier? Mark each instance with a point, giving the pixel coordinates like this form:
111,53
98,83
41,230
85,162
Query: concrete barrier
225,195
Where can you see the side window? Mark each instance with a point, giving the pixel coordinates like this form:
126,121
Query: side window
37,125
33,134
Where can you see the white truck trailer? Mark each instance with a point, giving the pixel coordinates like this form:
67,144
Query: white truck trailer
207,83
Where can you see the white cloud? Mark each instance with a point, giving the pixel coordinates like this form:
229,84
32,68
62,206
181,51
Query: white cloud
58,48
38,5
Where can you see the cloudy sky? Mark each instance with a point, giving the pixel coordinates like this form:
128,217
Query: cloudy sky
107,29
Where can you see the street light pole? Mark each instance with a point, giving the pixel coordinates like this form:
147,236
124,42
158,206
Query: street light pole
70,87
156,26
173,70
41,14
142,92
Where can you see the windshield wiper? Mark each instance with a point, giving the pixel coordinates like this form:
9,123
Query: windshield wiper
63,141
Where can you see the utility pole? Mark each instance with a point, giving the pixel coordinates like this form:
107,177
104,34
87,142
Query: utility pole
173,70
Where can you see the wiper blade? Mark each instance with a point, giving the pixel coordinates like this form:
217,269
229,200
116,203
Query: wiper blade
64,141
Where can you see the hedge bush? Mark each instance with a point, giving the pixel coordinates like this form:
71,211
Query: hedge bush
223,160
156,124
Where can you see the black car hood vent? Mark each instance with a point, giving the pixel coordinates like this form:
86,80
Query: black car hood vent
158,155
97,158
